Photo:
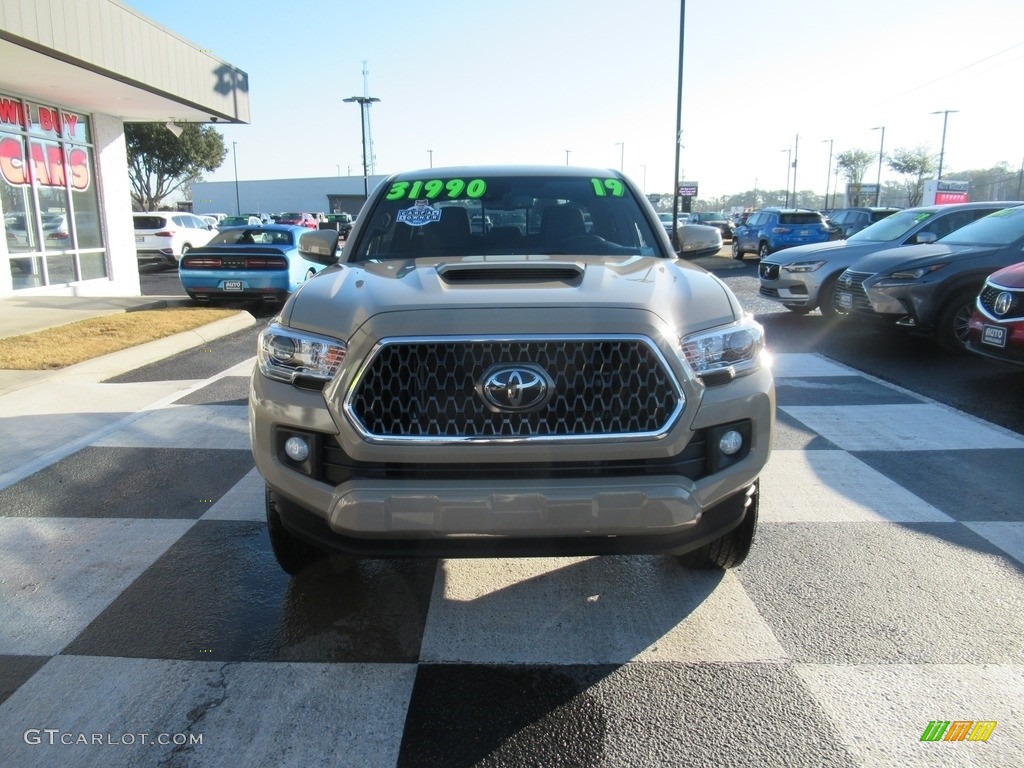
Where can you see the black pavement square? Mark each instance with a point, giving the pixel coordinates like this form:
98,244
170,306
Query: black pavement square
228,390
882,593
969,486
793,435
635,715
15,670
141,483
219,594
838,390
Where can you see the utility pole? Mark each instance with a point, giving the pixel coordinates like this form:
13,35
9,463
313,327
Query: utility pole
796,152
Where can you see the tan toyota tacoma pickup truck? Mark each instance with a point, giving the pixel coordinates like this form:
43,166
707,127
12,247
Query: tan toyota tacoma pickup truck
510,361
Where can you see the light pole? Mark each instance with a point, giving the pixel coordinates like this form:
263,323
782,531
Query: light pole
828,173
431,153
567,156
679,122
645,179
796,154
789,169
338,166
878,181
364,103
622,155
234,157
942,149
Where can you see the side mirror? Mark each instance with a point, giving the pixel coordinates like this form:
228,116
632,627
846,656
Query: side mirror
320,246
923,238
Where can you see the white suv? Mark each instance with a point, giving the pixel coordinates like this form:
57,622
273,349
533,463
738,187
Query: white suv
165,237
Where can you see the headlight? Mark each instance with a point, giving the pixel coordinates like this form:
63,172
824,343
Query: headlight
804,266
736,349
913,274
285,354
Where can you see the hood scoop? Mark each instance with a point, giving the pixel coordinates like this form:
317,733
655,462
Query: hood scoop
569,273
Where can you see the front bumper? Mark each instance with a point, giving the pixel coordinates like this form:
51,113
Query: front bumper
410,506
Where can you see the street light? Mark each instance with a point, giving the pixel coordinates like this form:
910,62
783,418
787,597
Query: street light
234,157
431,153
828,173
622,155
364,103
878,182
679,121
567,156
942,149
789,168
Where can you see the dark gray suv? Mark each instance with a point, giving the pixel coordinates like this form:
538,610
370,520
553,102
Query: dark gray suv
932,289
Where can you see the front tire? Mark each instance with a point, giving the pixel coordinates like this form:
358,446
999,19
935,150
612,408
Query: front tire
731,549
827,298
951,330
292,554
737,253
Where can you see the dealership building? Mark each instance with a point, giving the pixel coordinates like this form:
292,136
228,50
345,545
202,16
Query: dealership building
73,73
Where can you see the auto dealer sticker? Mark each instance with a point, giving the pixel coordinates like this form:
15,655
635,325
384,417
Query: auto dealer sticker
420,214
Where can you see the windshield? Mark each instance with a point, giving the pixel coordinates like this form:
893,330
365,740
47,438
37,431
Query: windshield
252,236
891,228
521,215
999,228
712,217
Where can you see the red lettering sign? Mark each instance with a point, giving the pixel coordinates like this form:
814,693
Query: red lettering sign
12,112
48,165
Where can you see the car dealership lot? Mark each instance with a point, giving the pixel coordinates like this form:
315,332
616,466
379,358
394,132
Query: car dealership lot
883,593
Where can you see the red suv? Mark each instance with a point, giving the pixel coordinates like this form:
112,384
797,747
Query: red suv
298,220
996,328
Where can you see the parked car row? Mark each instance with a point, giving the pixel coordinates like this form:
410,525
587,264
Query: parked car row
928,270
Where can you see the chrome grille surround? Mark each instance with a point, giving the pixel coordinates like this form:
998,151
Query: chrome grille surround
423,390
987,300
854,283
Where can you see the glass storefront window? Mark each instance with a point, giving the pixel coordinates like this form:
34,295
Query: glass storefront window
47,194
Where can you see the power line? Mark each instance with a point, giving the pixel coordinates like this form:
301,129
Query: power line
955,72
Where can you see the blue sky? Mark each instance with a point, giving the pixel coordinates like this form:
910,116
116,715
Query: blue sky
522,82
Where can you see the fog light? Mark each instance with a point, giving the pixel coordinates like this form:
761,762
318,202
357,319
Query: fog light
297,449
729,443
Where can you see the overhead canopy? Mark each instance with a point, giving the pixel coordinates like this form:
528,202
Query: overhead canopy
101,56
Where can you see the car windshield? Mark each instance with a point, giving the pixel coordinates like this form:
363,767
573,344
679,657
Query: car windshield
234,221
527,215
150,222
291,215
801,218
712,217
252,236
891,228
999,228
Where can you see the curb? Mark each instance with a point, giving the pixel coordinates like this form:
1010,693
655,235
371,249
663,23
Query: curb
114,364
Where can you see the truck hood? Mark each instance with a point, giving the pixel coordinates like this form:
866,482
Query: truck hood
893,258
341,299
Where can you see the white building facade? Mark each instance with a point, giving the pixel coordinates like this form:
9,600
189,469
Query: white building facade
72,73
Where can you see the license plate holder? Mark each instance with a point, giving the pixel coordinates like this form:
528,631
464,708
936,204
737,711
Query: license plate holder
844,300
993,335
140,238
232,285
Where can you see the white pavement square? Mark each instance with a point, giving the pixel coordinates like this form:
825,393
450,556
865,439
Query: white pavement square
181,426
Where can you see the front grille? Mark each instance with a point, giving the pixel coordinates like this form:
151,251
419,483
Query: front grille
337,467
853,282
768,271
988,296
603,388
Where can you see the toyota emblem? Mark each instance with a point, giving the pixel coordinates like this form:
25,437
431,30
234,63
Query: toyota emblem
515,388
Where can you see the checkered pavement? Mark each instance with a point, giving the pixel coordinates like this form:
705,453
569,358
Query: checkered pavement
139,601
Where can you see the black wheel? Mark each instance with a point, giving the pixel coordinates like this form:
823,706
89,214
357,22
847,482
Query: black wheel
736,252
798,310
763,251
827,298
731,549
293,555
951,329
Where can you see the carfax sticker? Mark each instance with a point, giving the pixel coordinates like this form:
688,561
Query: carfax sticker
420,214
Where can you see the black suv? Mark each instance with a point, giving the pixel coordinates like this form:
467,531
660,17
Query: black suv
718,220
844,222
